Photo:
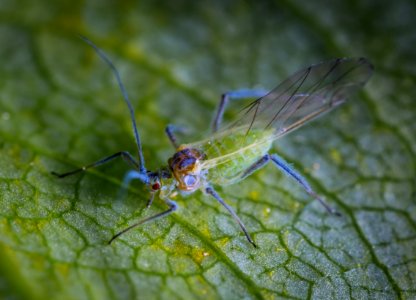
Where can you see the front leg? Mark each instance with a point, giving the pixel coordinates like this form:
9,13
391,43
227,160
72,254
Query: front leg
128,178
123,154
172,207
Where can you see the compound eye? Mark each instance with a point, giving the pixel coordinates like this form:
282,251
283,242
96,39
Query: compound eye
156,186
190,180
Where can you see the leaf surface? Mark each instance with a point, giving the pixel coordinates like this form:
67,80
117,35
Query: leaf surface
60,108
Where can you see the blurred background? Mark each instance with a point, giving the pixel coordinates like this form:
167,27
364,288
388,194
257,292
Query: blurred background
60,108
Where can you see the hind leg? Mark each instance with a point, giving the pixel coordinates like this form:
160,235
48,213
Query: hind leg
233,95
288,170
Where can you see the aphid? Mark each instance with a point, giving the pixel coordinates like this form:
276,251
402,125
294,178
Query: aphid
241,147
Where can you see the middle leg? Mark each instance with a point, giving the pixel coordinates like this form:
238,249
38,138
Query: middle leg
170,132
213,193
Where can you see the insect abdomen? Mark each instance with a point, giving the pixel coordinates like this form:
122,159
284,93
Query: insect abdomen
235,154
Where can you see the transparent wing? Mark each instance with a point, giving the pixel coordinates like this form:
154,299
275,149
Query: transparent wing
304,96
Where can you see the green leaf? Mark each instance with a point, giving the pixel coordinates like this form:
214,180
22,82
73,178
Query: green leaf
60,108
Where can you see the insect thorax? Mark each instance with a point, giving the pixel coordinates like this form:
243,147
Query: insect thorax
185,165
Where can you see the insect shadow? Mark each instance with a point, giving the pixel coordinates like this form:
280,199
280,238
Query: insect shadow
239,148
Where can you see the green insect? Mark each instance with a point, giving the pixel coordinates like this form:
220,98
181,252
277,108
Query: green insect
239,148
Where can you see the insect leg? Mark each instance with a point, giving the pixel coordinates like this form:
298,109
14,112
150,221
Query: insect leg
170,132
238,94
172,207
213,193
257,165
129,177
286,168
124,154
150,201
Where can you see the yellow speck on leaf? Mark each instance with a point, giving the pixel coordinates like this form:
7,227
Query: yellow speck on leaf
254,195
62,269
132,50
266,212
335,155
199,255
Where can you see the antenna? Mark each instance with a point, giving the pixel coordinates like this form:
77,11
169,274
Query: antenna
126,99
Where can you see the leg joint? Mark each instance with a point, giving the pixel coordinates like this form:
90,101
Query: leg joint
172,205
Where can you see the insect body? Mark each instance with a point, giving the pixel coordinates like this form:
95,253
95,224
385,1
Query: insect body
228,156
185,165
241,147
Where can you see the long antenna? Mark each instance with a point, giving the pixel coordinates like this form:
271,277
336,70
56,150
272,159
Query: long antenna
126,99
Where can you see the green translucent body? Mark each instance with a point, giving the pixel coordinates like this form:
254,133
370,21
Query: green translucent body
230,155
